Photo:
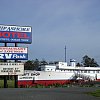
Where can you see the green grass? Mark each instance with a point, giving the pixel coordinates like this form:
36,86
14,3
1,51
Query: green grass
10,83
95,93
1,83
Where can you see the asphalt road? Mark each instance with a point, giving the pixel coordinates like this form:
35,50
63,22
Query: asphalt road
71,93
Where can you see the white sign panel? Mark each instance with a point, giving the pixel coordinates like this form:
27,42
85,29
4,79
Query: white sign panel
11,68
13,50
15,28
13,53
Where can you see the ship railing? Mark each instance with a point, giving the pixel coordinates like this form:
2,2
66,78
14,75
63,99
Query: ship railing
74,76
85,77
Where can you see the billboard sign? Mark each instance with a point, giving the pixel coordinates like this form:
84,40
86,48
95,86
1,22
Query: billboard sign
13,53
11,68
15,34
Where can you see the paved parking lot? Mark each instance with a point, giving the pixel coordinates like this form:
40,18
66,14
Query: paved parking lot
71,93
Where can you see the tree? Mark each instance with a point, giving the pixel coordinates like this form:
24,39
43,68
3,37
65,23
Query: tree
28,65
32,64
43,62
89,62
79,65
36,64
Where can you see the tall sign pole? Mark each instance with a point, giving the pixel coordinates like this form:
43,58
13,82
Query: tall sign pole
5,77
16,76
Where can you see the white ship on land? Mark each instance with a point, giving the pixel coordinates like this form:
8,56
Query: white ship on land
59,73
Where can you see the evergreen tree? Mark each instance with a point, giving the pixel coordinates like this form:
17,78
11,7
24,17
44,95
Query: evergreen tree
89,62
28,65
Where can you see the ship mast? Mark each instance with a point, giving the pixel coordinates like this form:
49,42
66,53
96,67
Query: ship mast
65,53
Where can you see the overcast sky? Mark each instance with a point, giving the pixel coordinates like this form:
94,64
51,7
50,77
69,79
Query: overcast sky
56,23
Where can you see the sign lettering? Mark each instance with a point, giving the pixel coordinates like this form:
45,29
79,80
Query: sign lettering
13,56
11,68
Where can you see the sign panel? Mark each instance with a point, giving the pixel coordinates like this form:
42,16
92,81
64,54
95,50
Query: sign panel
13,53
15,34
11,68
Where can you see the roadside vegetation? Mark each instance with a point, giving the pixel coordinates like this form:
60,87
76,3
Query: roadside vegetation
95,93
10,83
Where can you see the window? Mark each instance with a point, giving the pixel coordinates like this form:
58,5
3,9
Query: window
85,71
88,71
81,71
93,71
97,71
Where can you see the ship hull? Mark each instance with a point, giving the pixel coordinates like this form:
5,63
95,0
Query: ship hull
32,78
42,82
25,83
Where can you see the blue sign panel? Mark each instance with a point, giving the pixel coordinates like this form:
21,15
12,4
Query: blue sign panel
14,56
15,34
